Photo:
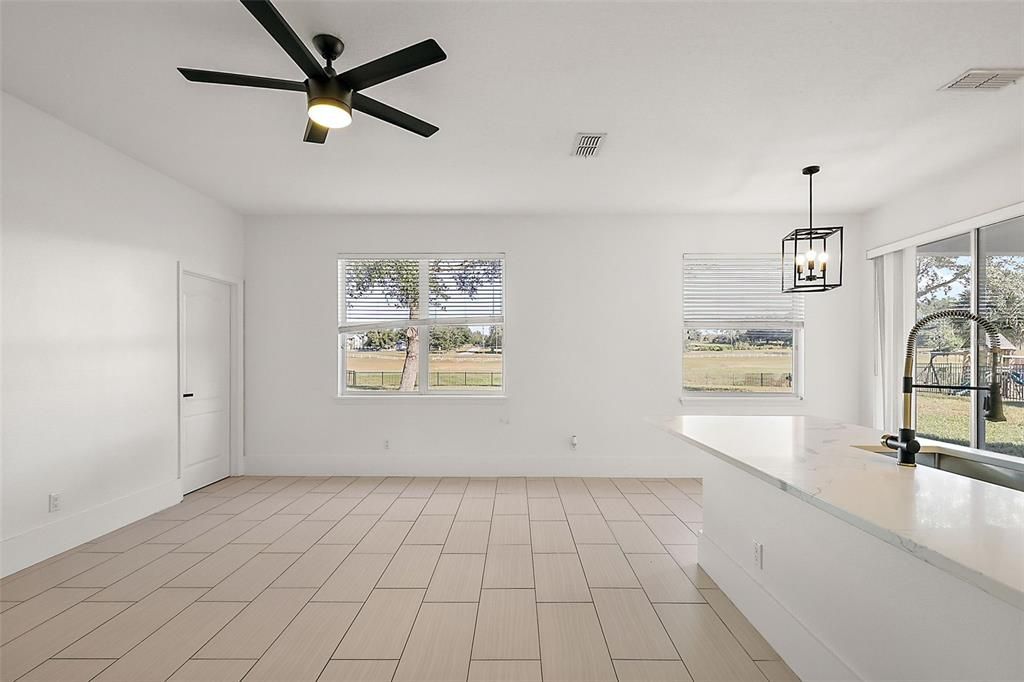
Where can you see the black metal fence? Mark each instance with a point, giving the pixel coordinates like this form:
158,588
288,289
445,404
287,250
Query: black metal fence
768,380
723,381
392,380
1011,379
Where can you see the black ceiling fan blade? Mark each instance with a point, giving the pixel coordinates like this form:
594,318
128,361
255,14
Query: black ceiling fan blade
224,78
280,31
315,132
391,115
394,65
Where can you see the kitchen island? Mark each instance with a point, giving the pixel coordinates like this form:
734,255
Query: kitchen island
853,567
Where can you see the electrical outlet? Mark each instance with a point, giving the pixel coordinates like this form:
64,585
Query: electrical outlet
387,445
758,555
54,502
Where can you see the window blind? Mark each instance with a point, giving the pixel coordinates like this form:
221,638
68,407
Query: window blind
385,292
466,288
377,290
739,292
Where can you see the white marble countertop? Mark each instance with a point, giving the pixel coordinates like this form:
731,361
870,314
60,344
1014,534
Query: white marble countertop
971,529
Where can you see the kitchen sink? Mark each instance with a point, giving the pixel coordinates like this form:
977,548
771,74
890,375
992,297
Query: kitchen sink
1003,470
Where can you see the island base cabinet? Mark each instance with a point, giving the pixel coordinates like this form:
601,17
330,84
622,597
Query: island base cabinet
838,603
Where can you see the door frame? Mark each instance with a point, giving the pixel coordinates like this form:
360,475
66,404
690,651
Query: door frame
236,431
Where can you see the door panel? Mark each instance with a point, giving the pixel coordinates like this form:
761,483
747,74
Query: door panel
205,381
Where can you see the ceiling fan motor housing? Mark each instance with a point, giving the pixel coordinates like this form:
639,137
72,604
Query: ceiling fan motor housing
329,91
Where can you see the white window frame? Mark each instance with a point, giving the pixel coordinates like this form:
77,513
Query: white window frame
425,322
690,396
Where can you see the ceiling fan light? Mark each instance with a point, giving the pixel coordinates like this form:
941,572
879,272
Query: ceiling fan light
330,113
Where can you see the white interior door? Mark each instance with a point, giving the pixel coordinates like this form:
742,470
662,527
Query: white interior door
205,381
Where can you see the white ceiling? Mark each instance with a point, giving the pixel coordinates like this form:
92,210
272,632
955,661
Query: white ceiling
707,106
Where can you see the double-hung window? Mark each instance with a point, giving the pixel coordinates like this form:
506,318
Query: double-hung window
417,324
741,334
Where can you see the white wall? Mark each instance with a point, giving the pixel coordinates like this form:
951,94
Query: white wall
91,240
593,345
986,185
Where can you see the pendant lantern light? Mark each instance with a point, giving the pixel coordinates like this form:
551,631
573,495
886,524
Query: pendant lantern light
812,257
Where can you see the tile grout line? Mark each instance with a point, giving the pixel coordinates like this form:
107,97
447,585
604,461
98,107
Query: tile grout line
706,602
290,621
363,604
308,601
381,576
660,620
536,606
248,603
658,615
65,610
593,604
99,625
480,592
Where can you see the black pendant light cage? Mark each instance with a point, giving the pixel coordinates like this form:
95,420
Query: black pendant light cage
804,270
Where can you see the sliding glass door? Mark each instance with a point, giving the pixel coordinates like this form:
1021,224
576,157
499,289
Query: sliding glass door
944,352
1000,298
981,271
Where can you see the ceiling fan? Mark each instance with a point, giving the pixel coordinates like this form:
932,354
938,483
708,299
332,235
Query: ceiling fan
331,96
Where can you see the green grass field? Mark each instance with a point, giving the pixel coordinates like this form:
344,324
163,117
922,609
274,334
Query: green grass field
947,418
449,370
392,361
741,371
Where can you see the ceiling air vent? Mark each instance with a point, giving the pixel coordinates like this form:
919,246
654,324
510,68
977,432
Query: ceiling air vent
985,79
588,144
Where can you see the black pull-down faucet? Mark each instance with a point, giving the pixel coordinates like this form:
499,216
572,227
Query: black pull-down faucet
905,443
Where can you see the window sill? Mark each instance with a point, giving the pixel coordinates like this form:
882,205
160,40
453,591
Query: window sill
719,398
417,397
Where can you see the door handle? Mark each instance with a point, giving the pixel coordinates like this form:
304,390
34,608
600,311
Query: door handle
188,395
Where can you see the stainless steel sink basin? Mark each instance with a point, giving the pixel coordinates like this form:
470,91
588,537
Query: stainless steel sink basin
1001,470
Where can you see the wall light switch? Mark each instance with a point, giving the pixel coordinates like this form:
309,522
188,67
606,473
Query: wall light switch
758,555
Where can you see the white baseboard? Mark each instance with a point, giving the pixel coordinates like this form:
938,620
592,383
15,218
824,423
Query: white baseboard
401,464
808,656
50,539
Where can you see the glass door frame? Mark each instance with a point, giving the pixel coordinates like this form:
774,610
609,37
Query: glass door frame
977,397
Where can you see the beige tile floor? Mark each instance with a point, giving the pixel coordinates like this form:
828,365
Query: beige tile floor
417,579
